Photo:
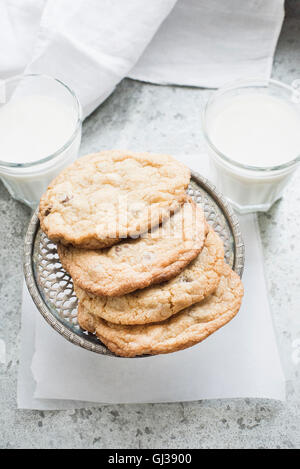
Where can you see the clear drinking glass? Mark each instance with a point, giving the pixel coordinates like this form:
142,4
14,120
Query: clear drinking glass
26,182
248,188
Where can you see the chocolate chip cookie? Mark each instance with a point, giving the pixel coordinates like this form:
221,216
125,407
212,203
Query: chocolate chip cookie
157,303
111,195
187,328
156,257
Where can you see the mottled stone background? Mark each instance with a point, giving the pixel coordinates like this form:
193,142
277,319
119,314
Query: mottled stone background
162,119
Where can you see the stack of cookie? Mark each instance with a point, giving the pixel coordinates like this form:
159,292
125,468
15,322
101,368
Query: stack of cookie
148,270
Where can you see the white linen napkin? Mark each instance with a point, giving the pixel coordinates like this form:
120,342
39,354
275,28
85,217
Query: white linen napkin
240,360
211,43
19,25
92,44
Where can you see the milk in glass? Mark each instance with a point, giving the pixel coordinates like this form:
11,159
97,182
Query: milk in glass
39,136
254,141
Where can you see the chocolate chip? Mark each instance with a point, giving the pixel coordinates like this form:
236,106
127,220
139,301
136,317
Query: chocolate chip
65,199
47,211
118,248
186,279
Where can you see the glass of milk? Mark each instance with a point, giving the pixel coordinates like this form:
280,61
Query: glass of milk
252,129
40,133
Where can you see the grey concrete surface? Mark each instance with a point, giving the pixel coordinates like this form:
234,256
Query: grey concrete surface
143,116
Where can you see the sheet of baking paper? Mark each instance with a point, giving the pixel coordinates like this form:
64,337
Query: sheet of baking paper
240,360
26,382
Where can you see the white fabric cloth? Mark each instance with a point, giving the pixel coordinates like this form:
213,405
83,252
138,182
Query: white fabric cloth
19,25
210,43
240,360
92,44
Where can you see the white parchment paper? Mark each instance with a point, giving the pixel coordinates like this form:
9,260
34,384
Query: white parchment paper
240,360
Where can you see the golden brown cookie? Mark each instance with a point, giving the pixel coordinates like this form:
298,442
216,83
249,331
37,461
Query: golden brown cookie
187,328
107,196
134,264
157,303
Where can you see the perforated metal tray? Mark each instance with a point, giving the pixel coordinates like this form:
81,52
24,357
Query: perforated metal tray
51,287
